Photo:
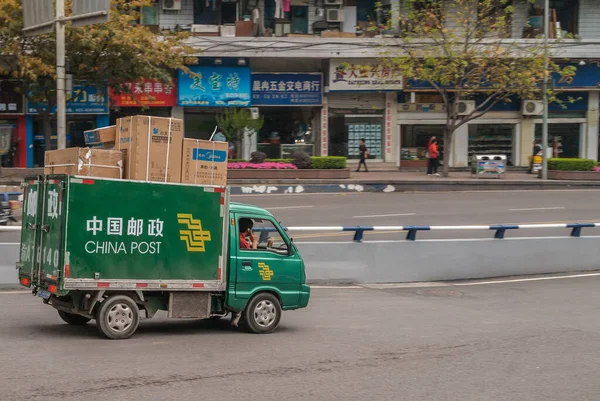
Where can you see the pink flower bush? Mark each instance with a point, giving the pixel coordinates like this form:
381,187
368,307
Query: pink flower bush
261,166
597,169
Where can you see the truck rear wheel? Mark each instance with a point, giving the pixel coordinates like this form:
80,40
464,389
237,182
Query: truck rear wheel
118,317
73,319
263,313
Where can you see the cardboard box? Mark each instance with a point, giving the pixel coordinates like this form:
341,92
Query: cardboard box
151,148
101,136
84,161
204,162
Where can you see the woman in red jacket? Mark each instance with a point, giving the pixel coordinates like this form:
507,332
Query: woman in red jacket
433,161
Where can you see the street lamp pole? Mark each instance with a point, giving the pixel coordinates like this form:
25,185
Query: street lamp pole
61,117
544,143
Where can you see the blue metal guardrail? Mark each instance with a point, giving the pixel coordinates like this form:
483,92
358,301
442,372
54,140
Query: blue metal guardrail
411,231
8,196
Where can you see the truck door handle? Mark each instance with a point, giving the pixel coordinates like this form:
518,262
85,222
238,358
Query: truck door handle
247,263
46,228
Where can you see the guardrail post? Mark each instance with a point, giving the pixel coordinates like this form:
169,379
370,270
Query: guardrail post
501,230
412,231
358,232
576,228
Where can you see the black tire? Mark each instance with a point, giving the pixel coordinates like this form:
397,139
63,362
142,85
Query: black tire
263,313
118,317
73,319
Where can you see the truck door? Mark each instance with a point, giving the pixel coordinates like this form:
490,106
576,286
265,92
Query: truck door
51,230
32,206
272,264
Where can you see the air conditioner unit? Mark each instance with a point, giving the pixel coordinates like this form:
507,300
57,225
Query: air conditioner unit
533,107
334,2
465,107
335,15
173,5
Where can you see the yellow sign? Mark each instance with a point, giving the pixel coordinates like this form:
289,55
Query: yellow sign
265,272
194,237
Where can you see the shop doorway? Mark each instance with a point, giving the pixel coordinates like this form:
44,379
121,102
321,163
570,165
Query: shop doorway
414,140
9,143
287,130
492,139
563,138
346,131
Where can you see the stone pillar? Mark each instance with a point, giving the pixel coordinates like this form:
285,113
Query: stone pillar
460,147
527,136
177,112
592,126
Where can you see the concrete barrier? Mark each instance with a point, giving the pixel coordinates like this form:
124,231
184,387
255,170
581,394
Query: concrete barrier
426,260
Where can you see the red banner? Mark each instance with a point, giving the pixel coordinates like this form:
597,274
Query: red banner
148,93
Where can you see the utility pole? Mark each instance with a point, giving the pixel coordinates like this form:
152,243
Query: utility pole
61,103
545,91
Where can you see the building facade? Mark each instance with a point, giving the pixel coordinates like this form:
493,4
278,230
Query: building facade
290,71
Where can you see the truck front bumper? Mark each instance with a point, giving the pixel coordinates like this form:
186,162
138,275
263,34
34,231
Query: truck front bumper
304,296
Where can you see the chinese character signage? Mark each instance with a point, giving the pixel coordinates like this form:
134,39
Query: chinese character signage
287,89
83,100
363,75
148,93
215,86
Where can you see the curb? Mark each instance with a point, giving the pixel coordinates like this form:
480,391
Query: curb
390,186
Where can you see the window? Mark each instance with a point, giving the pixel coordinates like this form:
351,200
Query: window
267,236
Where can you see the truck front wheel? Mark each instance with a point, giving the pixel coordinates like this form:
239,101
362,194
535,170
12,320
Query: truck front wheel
118,317
73,319
263,313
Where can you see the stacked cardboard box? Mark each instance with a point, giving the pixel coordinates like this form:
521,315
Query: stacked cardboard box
204,162
151,148
89,162
101,137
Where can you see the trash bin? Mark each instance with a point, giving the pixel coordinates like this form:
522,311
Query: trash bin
488,166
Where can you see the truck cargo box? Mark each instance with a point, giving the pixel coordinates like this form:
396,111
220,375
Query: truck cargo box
104,233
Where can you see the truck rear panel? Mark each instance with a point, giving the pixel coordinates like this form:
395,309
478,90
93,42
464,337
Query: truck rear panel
117,234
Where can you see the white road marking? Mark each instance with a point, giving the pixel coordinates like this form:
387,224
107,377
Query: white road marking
14,292
385,215
521,280
537,208
288,207
330,287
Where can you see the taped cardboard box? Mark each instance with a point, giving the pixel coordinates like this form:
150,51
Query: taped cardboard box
90,162
151,148
101,137
204,162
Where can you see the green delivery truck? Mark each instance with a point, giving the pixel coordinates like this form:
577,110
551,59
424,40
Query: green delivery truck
118,251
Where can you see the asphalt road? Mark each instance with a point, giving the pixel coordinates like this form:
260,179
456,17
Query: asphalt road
534,340
449,208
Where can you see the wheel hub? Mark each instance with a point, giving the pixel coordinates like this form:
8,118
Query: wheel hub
119,318
265,313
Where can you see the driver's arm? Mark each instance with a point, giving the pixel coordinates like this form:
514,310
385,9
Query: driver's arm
254,239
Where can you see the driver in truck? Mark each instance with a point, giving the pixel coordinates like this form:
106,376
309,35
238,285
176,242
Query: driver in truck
246,231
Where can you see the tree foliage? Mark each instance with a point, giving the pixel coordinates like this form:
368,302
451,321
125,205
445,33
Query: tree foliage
234,120
112,53
463,48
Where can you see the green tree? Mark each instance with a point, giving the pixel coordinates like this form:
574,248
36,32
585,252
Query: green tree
462,48
233,122
111,53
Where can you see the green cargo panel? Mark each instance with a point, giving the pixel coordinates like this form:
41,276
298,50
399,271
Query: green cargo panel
51,230
126,233
31,219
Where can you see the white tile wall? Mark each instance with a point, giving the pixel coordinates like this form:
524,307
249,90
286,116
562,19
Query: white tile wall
519,18
168,19
589,19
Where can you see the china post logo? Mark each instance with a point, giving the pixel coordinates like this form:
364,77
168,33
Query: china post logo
208,155
193,235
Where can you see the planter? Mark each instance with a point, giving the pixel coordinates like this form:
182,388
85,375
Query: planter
574,175
308,174
413,163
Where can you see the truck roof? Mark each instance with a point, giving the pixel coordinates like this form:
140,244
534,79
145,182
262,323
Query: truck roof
236,207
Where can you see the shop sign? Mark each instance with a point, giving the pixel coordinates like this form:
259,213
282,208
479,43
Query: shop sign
324,133
287,89
148,93
215,86
83,100
11,102
421,108
363,75
586,76
388,126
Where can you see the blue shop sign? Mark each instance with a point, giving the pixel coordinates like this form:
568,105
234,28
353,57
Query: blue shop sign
287,89
215,86
84,100
586,76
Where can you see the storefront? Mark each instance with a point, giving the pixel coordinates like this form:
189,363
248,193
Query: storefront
87,108
13,139
148,97
356,107
290,104
218,84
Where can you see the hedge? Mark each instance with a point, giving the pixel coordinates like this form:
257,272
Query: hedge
327,162
571,164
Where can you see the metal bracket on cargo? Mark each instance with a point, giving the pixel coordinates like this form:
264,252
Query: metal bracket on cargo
358,232
501,230
411,235
576,228
98,297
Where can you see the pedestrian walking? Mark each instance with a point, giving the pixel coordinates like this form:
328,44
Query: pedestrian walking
537,148
433,157
364,153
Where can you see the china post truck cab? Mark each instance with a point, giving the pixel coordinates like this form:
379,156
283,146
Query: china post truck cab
117,251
